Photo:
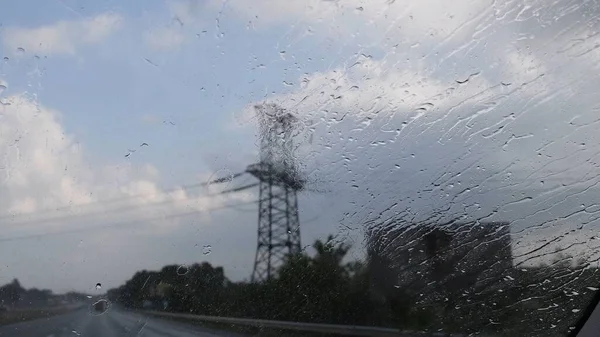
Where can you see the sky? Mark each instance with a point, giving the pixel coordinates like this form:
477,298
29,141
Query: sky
114,115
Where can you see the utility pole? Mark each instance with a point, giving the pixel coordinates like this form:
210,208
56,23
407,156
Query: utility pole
278,223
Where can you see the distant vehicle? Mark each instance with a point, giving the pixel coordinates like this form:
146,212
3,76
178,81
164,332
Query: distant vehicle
100,307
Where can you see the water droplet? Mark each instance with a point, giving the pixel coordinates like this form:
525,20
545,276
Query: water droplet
425,106
221,176
207,249
576,310
282,54
287,84
99,307
360,9
182,270
6,58
21,50
76,333
98,286
89,296
468,78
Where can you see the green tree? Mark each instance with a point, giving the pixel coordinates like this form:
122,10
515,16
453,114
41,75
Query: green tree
11,293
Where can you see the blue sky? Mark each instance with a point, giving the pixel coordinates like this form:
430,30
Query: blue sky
122,87
117,92
110,89
458,111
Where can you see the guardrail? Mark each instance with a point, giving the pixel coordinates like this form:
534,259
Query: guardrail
347,330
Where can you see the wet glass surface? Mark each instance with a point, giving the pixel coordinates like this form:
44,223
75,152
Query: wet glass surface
423,166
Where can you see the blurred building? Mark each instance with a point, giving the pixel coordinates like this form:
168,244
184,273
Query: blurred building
433,263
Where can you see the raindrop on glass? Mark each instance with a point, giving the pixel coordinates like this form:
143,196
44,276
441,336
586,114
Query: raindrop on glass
98,286
99,307
207,249
222,177
182,270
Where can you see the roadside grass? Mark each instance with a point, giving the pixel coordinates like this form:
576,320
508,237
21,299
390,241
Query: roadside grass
16,316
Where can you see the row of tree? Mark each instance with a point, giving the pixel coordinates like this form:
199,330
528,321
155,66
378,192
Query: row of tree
319,288
327,288
14,295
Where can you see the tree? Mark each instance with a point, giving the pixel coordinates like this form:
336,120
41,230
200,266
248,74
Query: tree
323,288
11,293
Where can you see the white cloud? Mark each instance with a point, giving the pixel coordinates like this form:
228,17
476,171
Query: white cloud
62,37
97,28
514,142
371,89
165,38
48,186
380,19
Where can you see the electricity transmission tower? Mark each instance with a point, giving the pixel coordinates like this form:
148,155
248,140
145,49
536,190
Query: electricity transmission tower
278,224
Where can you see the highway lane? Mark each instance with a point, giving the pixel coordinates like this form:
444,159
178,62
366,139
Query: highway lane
113,323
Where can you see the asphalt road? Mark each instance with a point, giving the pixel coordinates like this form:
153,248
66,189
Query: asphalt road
113,323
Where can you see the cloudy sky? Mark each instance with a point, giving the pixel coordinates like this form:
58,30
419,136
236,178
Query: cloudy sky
113,116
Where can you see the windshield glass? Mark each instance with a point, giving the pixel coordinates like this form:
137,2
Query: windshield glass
188,167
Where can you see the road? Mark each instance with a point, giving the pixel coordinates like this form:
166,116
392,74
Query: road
113,323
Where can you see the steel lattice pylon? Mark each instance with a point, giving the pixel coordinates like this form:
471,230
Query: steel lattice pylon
278,223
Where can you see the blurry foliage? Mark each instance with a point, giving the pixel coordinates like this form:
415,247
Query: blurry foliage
326,288
11,293
14,295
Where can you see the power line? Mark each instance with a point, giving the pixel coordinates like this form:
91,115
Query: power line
123,198
238,189
122,223
126,208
